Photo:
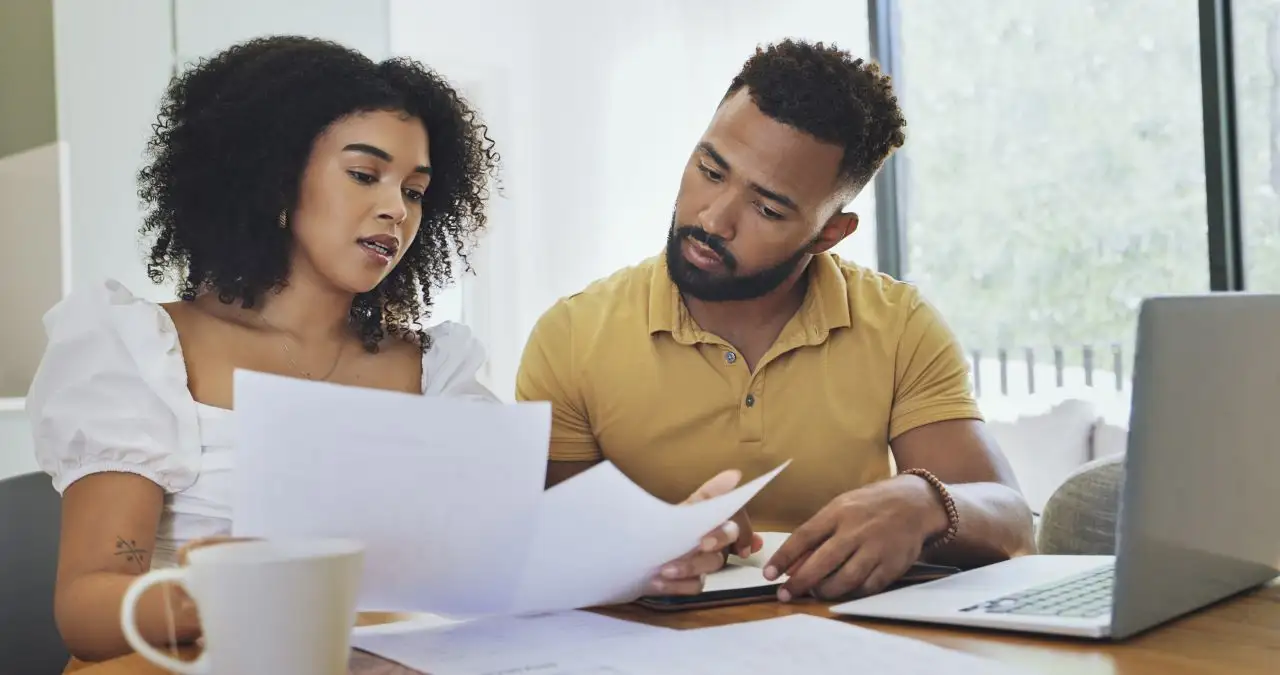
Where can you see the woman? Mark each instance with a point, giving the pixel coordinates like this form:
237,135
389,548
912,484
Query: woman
307,202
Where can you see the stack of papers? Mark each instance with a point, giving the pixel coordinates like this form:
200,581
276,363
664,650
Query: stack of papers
580,643
447,495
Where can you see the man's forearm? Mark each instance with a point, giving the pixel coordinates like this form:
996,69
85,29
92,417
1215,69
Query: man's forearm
994,525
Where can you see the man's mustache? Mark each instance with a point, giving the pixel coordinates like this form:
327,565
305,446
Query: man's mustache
709,240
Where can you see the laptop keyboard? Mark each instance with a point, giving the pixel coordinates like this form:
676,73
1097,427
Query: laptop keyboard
1086,595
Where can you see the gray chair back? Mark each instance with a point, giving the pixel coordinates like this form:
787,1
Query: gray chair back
30,515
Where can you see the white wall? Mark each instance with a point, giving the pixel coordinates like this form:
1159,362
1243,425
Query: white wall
204,27
113,60
595,107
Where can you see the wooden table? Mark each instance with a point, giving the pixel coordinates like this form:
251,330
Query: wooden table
1240,636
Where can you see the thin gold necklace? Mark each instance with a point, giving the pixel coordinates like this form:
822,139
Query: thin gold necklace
288,353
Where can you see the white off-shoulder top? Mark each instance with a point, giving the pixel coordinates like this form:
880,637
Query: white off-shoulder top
111,395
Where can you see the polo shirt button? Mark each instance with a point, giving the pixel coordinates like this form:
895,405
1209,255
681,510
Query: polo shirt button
751,400
730,357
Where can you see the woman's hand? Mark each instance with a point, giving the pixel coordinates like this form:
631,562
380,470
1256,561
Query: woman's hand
685,575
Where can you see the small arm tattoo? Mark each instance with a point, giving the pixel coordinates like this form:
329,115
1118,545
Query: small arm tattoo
129,549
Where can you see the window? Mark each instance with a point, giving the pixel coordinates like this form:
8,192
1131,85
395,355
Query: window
1256,24
1054,170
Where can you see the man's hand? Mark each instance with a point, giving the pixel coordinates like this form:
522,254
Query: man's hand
748,541
684,575
862,541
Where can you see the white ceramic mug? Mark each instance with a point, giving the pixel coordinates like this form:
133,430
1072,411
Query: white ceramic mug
266,606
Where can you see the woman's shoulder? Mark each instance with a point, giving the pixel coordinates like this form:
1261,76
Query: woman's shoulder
111,390
106,309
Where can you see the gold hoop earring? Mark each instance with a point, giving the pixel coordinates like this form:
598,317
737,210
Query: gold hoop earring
283,220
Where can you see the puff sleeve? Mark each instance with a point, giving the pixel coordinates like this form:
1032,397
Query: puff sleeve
451,367
111,394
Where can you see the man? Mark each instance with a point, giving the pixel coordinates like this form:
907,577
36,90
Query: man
748,344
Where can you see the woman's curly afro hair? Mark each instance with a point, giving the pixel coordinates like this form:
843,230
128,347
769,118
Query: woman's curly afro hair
229,149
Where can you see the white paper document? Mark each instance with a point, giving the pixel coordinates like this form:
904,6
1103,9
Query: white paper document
601,537
499,644
448,496
443,491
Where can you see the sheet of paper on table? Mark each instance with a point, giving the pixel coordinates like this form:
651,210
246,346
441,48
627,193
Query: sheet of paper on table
448,496
582,644
498,644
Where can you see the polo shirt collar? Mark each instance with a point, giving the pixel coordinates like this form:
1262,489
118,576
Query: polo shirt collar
825,307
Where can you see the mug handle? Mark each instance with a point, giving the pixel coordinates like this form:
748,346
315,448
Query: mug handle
129,623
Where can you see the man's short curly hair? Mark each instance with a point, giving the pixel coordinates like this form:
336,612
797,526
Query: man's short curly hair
830,95
234,134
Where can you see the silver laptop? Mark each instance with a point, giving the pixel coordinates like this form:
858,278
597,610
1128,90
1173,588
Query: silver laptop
1200,515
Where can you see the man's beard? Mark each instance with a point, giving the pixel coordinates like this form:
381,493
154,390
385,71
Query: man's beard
708,287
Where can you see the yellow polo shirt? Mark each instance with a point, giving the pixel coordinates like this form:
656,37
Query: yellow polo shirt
632,379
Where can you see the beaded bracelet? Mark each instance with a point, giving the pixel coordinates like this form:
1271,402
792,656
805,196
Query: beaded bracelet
948,504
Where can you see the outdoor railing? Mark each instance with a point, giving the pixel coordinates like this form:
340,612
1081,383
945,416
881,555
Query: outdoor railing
1017,371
